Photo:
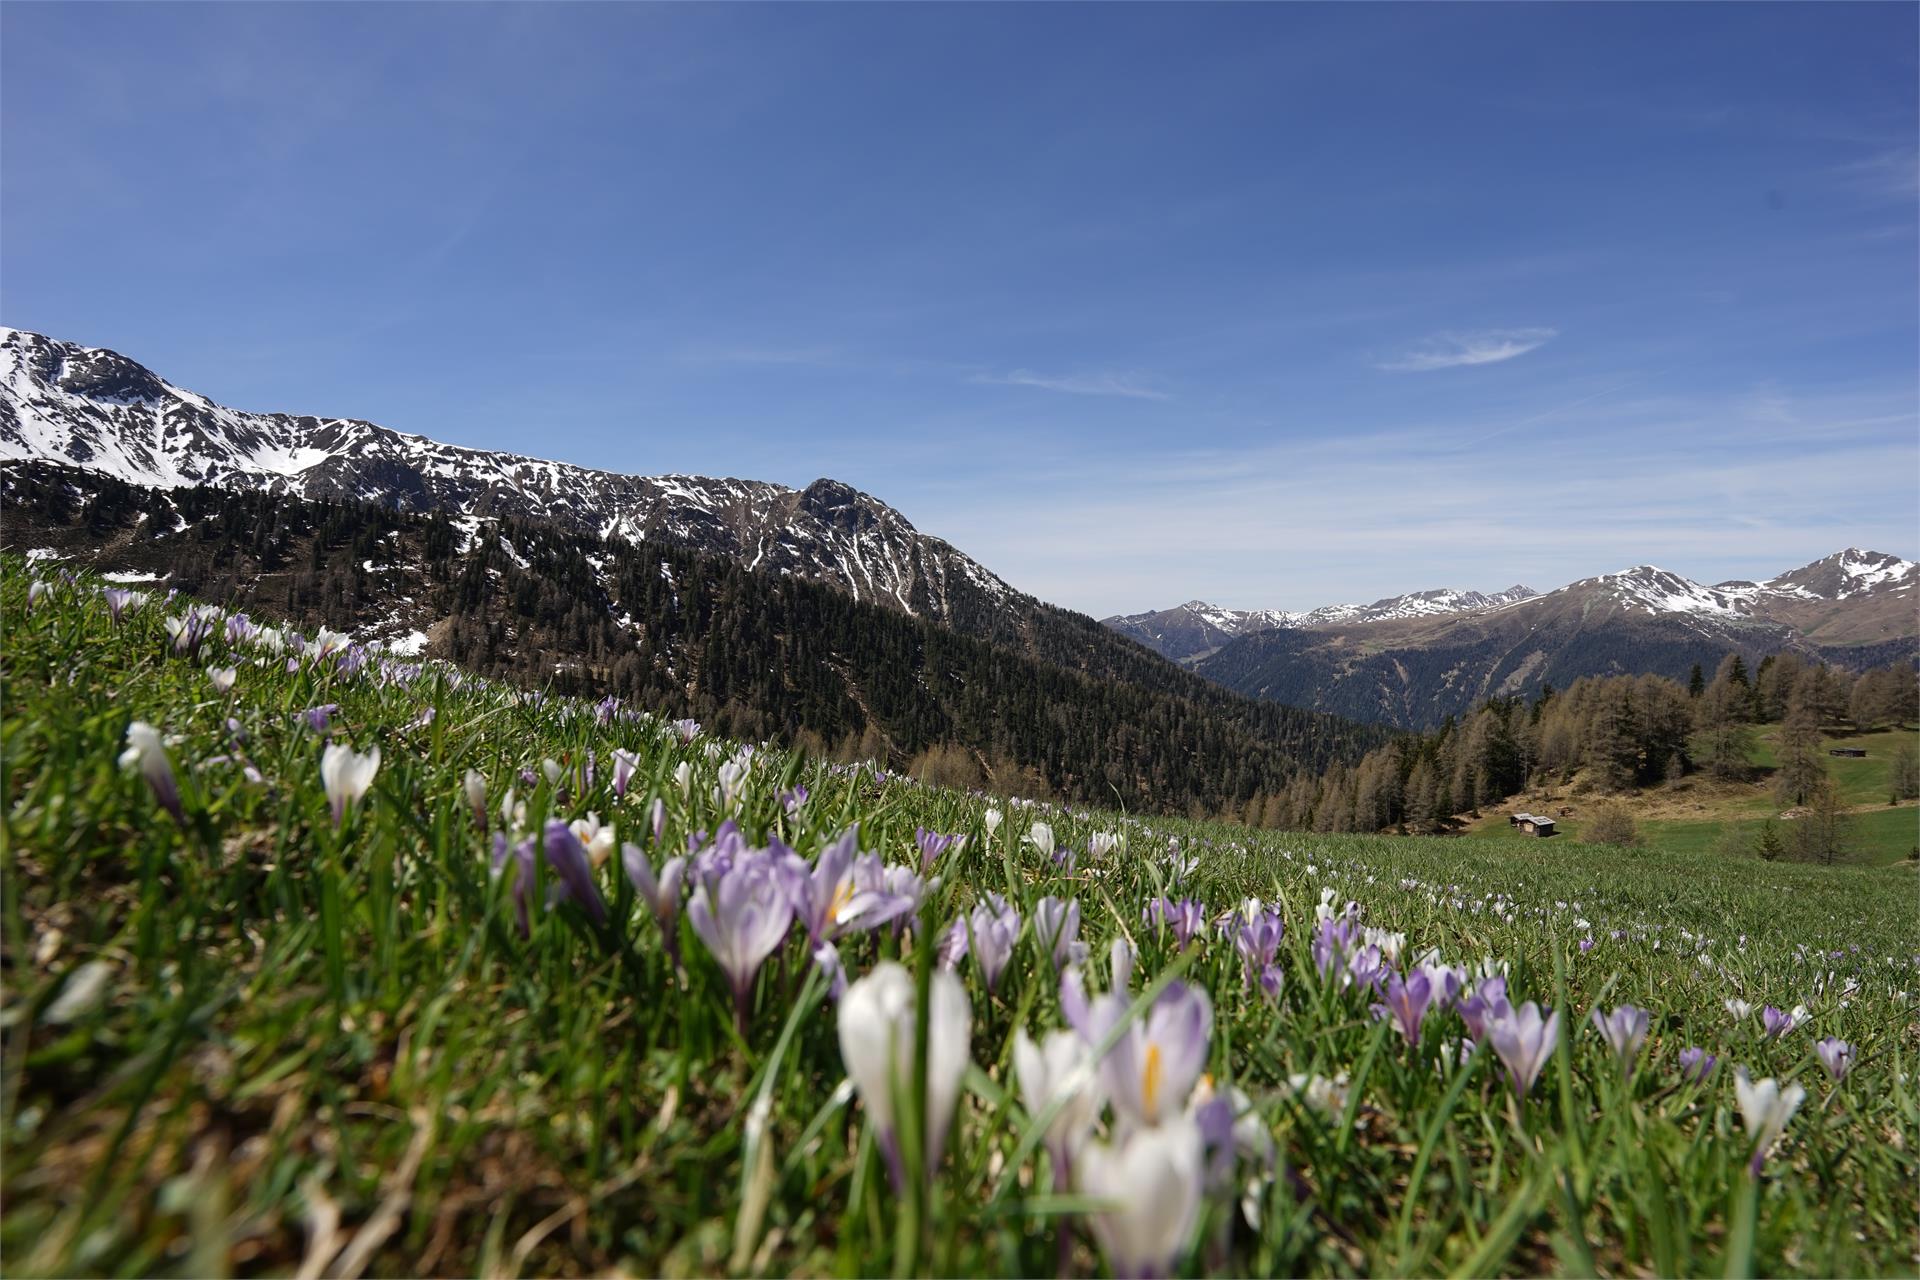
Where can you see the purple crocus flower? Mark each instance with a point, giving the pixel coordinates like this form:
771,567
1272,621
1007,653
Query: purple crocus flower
1185,919
572,863
994,926
1333,942
1696,1064
148,753
846,891
933,846
1447,981
1487,1003
240,628
1777,1024
1154,1064
1624,1030
521,855
793,801
320,718
1524,1040
1056,927
624,763
118,600
688,730
1836,1056
1406,1001
661,893
1257,939
742,914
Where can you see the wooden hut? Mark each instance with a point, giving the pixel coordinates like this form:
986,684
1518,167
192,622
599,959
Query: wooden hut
1531,824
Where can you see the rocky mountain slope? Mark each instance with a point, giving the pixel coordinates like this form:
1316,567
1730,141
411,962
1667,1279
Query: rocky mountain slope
86,407
1856,609
1071,710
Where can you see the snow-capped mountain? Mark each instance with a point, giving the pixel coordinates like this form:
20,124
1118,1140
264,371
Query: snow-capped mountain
95,409
1851,596
1854,608
1191,631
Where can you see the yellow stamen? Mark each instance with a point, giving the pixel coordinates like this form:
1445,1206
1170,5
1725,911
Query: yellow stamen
1150,1082
842,894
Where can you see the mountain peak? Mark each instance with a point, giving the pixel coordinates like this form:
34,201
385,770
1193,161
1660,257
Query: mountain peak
99,411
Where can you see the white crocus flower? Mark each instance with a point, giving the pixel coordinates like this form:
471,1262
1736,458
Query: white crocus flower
1058,1067
476,788
222,678
1765,1108
876,1043
347,774
1040,836
598,838
1151,1184
992,821
683,776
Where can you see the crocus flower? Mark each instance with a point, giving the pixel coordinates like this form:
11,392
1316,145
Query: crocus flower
1524,1040
119,601
520,854
1740,1009
1765,1108
1256,936
793,801
624,763
598,838
992,821
1153,1066
1185,919
933,846
1836,1056
571,861
1488,1002
476,789
661,893
1151,1179
1624,1030
326,643
147,753
993,926
1102,843
876,1022
1777,1024
687,729
1696,1064
320,718
742,914
1059,1067
1040,836
1406,1001
1056,927
683,776
346,774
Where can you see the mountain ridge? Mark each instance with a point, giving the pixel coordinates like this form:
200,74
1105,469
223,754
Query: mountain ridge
94,408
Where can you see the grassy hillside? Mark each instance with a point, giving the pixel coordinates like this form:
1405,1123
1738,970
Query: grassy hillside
260,1038
1698,814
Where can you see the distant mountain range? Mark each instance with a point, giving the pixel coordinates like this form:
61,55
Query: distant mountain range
1393,663
1191,631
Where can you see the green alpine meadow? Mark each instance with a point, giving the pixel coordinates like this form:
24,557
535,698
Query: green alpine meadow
325,960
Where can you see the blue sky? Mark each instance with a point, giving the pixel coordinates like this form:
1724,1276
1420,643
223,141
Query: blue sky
1270,305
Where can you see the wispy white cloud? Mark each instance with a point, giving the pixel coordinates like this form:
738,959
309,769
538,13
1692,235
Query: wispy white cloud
1079,384
1455,350
1892,174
